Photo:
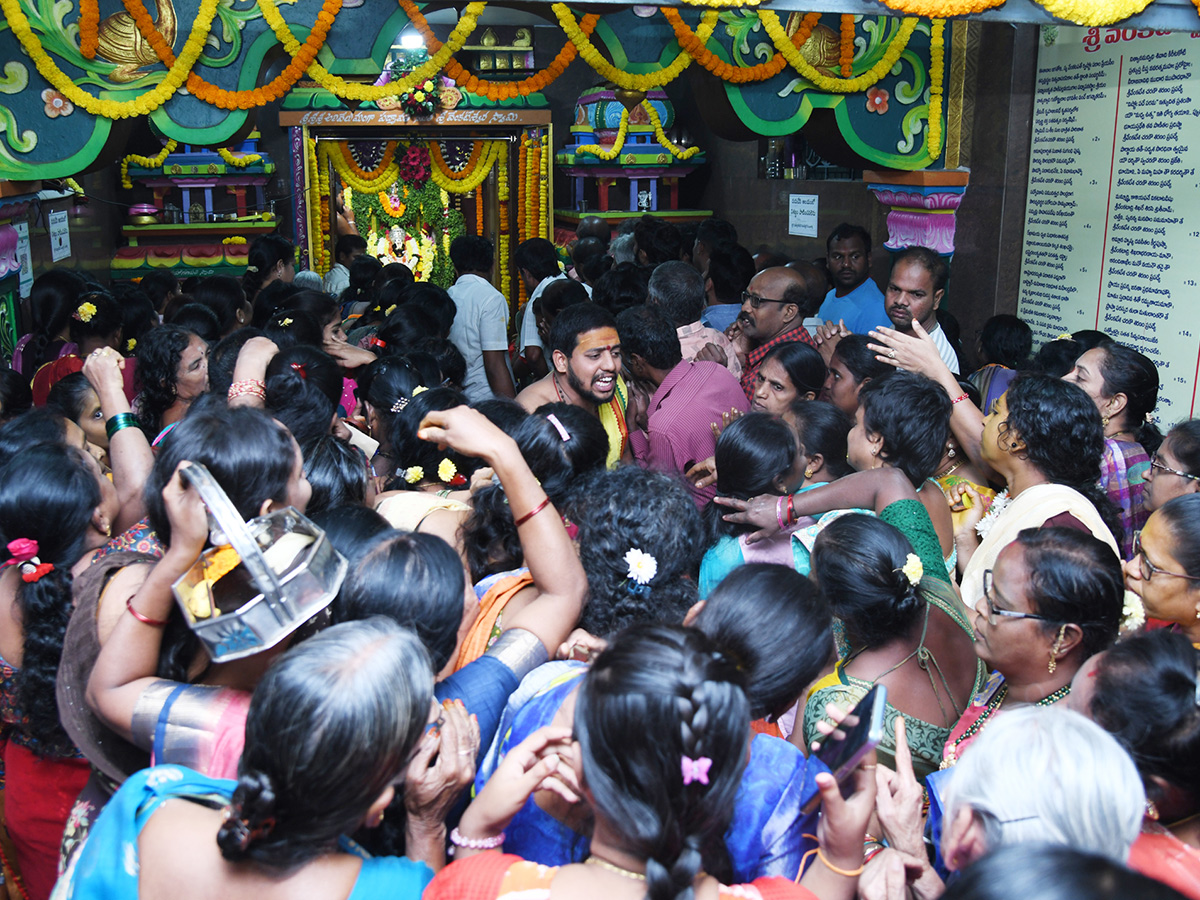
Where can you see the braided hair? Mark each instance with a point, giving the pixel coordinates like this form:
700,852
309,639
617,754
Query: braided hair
48,494
661,697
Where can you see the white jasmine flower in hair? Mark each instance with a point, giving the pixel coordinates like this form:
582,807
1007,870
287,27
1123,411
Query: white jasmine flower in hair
642,566
913,569
1133,614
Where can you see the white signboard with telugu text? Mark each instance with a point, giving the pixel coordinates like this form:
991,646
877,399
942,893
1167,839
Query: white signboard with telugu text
802,215
60,236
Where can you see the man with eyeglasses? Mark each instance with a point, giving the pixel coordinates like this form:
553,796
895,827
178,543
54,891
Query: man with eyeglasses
773,311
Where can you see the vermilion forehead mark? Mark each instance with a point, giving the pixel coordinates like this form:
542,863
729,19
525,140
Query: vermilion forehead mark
599,339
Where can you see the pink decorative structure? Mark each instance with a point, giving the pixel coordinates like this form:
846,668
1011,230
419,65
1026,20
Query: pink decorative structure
921,206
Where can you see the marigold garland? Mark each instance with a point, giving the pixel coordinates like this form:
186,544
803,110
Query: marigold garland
112,109
439,162
947,8
544,184
471,179
389,155
393,209
1086,12
146,162
656,123
846,56
479,210
783,44
612,151
363,185
643,82
687,39
89,28
533,184
937,50
238,162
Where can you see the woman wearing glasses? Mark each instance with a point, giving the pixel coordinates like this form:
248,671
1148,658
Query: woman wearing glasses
1165,568
1052,600
1175,467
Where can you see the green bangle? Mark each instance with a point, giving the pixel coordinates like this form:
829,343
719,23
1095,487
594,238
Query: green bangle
119,421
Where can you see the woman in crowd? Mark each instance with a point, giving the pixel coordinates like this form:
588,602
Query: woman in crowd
1165,568
897,628
756,455
1143,691
955,469
1004,345
384,388
52,299
272,258
661,700
94,325
56,510
303,387
1054,599
790,372
331,733
1174,467
339,474
76,399
1124,386
225,297
172,372
851,366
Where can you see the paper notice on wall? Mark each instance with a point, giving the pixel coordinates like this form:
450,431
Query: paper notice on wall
24,258
1112,227
60,236
802,214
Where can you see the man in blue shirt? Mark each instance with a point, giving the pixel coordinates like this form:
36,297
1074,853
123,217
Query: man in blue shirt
855,298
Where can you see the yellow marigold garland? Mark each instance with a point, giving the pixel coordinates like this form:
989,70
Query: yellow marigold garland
947,8
349,90
674,149
937,50
389,154
146,162
846,55
544,177
737,74
318,209
113,109
602,152
395,210
365,185
783,44
238,162
470,179
1086,12
505,242
438,161
645,82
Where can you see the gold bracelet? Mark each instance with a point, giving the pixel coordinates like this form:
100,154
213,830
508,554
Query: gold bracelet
848,873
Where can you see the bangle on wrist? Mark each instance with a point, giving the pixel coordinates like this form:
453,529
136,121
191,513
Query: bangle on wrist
145,620
457,839
779,512
848,873
118,422
251,387
533,512
959,399
791,512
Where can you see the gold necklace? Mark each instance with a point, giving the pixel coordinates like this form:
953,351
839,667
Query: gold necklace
616,870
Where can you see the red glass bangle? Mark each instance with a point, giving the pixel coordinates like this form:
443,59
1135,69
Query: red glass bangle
533,512
145,620
960,399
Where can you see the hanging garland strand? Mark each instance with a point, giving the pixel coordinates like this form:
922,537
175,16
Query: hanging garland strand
648,81
436,159
238,162
937,51
602,152
656,123
89,28
737,74
470,178
783,44
846,54
146,162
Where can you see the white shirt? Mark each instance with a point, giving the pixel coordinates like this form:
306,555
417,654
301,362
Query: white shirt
481,323
945,351
336,280
529,336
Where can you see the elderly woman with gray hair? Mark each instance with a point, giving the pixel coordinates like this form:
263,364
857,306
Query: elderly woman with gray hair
333,729
1035,775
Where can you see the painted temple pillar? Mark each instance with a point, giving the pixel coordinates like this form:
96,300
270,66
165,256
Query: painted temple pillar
922,206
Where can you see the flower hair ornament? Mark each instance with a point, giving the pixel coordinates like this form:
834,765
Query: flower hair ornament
695,769
24,554
284,323
912,569
642,569
448,472
131,345
84,312
412,474
419,389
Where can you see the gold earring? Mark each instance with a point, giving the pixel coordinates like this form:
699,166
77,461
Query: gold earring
1104,421
808,474
1151,811
1057,646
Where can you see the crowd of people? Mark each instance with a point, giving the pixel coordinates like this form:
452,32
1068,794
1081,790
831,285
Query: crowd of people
612,575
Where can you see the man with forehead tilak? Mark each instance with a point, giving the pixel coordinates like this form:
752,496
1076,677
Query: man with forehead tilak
585,371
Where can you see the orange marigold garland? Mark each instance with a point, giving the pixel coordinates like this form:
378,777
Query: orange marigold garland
846,58
479,210
687,39
255,97
389,153
436,158
89,28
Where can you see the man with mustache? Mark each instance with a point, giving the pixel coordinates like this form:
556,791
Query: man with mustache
914,293
855,299
774,306
585,369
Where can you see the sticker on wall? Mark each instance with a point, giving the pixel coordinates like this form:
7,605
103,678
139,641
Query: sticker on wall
802,214
60,236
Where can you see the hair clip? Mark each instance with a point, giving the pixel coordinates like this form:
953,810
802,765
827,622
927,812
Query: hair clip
299,369
284,323
251,269
695,769
559,427
399,404
21,550
376,342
